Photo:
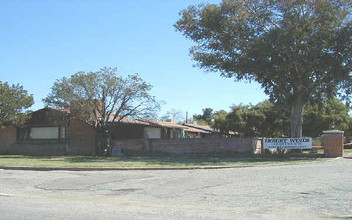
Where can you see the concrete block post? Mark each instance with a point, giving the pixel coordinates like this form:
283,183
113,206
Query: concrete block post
333,143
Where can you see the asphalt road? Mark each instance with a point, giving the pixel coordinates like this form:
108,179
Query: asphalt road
317,190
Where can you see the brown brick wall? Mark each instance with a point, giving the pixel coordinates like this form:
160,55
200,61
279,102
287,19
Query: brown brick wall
202,146
187,146
38,147
333,144
7,137
132,146
81,142
82,138
10,145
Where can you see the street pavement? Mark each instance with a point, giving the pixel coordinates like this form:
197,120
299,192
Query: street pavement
313,190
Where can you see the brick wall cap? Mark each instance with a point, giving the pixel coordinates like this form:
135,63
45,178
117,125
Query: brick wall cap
333,132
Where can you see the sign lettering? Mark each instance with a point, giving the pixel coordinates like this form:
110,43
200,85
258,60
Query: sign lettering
287,143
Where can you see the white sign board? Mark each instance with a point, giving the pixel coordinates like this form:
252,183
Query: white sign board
287,143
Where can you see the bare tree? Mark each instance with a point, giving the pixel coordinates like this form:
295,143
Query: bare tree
175,115
103,97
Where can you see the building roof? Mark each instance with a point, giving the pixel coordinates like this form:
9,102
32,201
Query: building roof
57,109
196,130
207,128
163,124
201,127
150,123
126,120
133,121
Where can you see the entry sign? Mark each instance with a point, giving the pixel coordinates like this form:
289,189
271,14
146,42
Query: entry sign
287,143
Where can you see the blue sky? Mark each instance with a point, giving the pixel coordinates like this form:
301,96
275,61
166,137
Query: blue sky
42,41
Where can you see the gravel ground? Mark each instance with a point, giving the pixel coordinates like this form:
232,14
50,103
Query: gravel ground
316,190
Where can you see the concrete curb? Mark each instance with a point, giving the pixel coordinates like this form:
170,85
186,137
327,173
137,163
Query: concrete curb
121,168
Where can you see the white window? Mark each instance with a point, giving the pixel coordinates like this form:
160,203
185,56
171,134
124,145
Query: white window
44,133
153,132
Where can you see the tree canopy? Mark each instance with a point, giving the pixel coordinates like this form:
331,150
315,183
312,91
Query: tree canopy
299,51
220,121
102,97
332,114
271,119
205,117
266,119
14,100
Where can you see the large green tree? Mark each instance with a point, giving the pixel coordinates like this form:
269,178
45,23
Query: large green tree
332,114
103,97
14,101
269,119
220,121
298,50
266,119
205,117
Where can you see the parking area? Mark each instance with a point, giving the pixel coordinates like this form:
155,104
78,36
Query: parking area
313,190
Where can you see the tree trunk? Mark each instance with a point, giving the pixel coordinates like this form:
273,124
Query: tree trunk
102,141
99,131
97,142
297,116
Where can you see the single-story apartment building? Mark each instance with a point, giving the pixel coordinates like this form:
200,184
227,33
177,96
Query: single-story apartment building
54,131
49,131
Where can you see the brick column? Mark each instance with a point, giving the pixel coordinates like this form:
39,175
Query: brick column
333,143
